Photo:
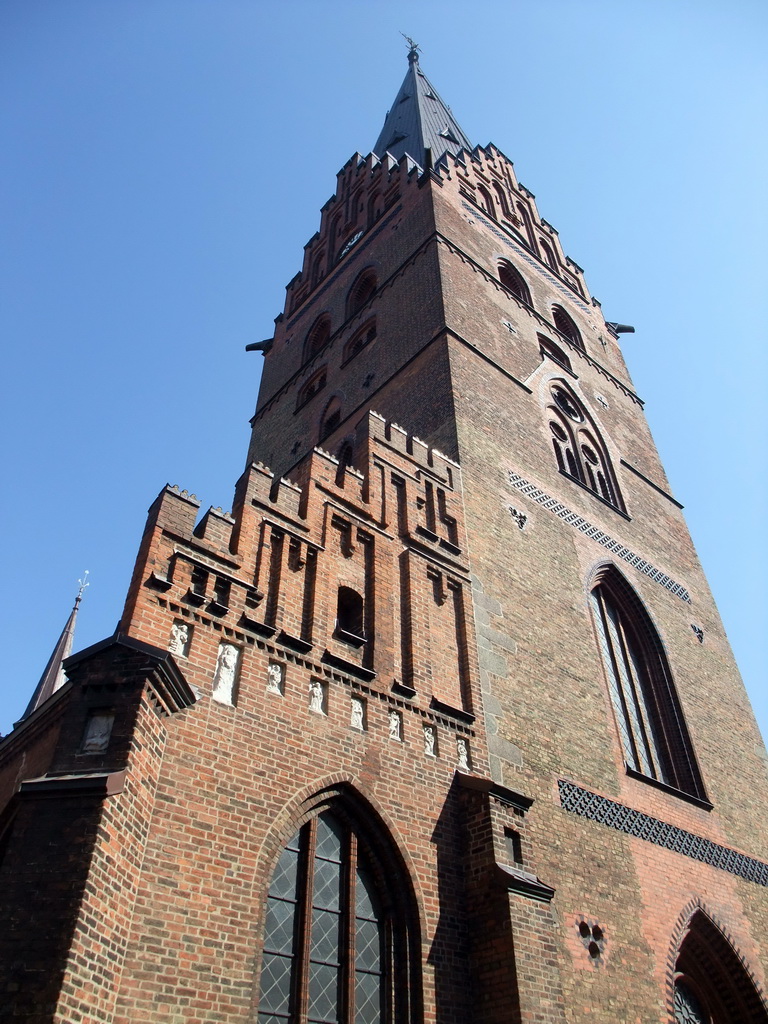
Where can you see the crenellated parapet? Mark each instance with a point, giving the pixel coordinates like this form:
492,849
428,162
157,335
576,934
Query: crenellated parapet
358,564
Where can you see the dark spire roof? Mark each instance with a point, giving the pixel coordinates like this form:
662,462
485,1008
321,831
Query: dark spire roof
53,677
419,120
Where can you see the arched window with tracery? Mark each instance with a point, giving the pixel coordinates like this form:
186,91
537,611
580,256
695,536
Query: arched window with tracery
579,450
653,734
339,931
711,985
318,336
512,279
361,291
565,325
484,201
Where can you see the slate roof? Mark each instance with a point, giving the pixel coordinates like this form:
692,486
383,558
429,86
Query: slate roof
420,120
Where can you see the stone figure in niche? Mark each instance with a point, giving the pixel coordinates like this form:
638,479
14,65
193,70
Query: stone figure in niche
97,733
179,643
275,677
395,725
357,720
226,670
462,755
316,697
430,741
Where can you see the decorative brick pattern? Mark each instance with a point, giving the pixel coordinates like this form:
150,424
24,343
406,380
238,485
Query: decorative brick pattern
624,819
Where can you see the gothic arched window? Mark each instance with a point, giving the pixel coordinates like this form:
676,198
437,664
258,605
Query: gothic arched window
652,730
578,449
711,984
336,941
318,336
512,279
567,327
361,291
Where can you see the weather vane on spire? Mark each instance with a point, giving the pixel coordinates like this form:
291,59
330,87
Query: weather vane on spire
83,583
413,48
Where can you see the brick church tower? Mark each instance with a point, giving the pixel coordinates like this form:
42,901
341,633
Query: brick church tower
439,724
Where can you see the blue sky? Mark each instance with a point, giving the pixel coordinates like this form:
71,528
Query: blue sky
163,163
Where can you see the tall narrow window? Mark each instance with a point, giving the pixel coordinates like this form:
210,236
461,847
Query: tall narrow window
512,279
654,738
334,941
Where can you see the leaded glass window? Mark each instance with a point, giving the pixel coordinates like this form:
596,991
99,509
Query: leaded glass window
325,959
688,1009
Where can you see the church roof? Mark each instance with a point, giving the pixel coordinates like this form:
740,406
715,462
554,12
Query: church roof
419,120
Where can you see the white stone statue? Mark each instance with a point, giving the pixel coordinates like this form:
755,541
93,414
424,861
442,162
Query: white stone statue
430,741
357,719
275,676
97,733
179,642
226,671
317,697
462,755
395,725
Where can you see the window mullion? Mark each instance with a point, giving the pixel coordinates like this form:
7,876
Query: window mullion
348,933
301,974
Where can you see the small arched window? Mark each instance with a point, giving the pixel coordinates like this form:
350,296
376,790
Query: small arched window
579,451
338,938
318,336
361,291
501,199
711,984
652,730
349,615
547,347
567,327
315,384
362,337
484,201
331,418
512,279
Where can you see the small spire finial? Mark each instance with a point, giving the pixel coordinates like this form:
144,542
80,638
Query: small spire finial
413,49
